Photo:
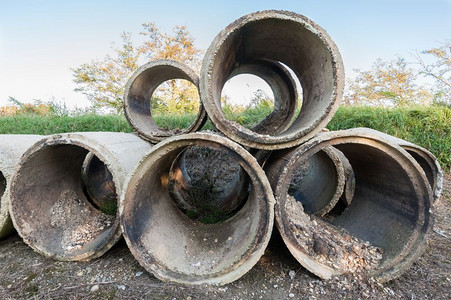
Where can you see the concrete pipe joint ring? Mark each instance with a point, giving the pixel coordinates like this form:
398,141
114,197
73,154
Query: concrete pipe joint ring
138,93
278,36
11,149
50,207
175,247
385,227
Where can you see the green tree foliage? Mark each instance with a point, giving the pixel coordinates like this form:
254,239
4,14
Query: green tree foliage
387,84
103,81
440,70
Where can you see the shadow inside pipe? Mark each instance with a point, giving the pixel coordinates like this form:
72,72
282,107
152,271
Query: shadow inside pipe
2,185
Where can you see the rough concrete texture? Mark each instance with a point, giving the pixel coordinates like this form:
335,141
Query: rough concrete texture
138,92
11,149
384,229
48,206
176,248
425,158
277,36
284,90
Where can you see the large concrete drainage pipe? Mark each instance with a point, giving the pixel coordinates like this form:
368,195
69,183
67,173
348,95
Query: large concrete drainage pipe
381,232
174,247
277,36
49,205
138,93
11,149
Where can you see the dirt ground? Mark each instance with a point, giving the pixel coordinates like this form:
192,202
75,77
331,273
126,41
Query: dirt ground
117,275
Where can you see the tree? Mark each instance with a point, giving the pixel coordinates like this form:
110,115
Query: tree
439,70
103,81
390,83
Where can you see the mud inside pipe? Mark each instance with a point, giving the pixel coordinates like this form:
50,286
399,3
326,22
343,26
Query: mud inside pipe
174,247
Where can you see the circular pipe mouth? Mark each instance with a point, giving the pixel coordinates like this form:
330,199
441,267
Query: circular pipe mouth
49,206
284,37
98,185
381,232
318,182
139,90
284,90
176,248
207,184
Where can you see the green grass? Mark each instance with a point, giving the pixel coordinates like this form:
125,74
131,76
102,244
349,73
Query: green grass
429,127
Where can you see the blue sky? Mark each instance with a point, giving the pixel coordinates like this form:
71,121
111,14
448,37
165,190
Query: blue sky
41,40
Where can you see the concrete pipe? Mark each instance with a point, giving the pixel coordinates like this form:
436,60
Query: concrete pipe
284,90
284,37
11,149
176,248
139,90
384,229
49,207
427,161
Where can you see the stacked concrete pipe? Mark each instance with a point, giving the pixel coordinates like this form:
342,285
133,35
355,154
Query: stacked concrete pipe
11,149
174,247
139,90
385,227
49,207
282,37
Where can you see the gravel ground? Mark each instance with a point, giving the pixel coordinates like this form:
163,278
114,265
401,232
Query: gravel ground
277,275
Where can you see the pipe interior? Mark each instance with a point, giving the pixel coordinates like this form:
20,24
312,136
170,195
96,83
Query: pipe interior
385,207
167,239
314,182
51,201
207,184
140,95
98,185
287,42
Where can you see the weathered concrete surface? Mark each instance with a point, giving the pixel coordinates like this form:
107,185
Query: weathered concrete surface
176,248
425,158
385,228
11,149
138,92
48,206
278,36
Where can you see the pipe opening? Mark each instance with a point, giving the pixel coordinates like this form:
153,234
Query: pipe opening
247,99
64,222
178,97
317,183
98,185
207,184
175,247
425,165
